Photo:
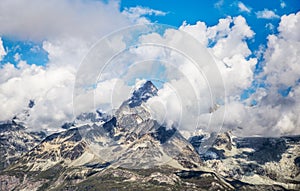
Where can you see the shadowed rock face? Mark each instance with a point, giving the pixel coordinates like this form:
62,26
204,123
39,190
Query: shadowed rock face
297,161
163,134
109,126
266,149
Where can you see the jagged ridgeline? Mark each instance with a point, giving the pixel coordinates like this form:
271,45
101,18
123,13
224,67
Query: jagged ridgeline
131,151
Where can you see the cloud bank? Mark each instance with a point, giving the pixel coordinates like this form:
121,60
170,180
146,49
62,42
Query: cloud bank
273,113
67,35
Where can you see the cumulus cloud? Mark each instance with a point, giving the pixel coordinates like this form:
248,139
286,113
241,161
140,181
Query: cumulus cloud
273,114
229,47
198,31
281,72
39,20
266,14
243,7
277,114
288,26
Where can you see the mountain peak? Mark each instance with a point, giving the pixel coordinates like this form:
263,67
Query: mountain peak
31,103
142,94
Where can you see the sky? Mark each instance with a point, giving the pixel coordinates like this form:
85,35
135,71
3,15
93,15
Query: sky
255,44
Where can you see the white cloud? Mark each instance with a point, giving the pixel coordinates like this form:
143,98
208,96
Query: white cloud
220,30
219,4
274,114
289,25
230,50
136,14
49,87
2,50
282,4
198,31
17,57
270,27
144,11
243,7
110,94
280,70
234,42
167,106
39,20
266,14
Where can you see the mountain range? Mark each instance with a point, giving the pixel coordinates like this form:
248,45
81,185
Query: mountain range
130,150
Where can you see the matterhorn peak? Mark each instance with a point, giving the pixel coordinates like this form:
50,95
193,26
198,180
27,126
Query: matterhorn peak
142,94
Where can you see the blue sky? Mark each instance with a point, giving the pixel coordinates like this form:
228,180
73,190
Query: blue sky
32,52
